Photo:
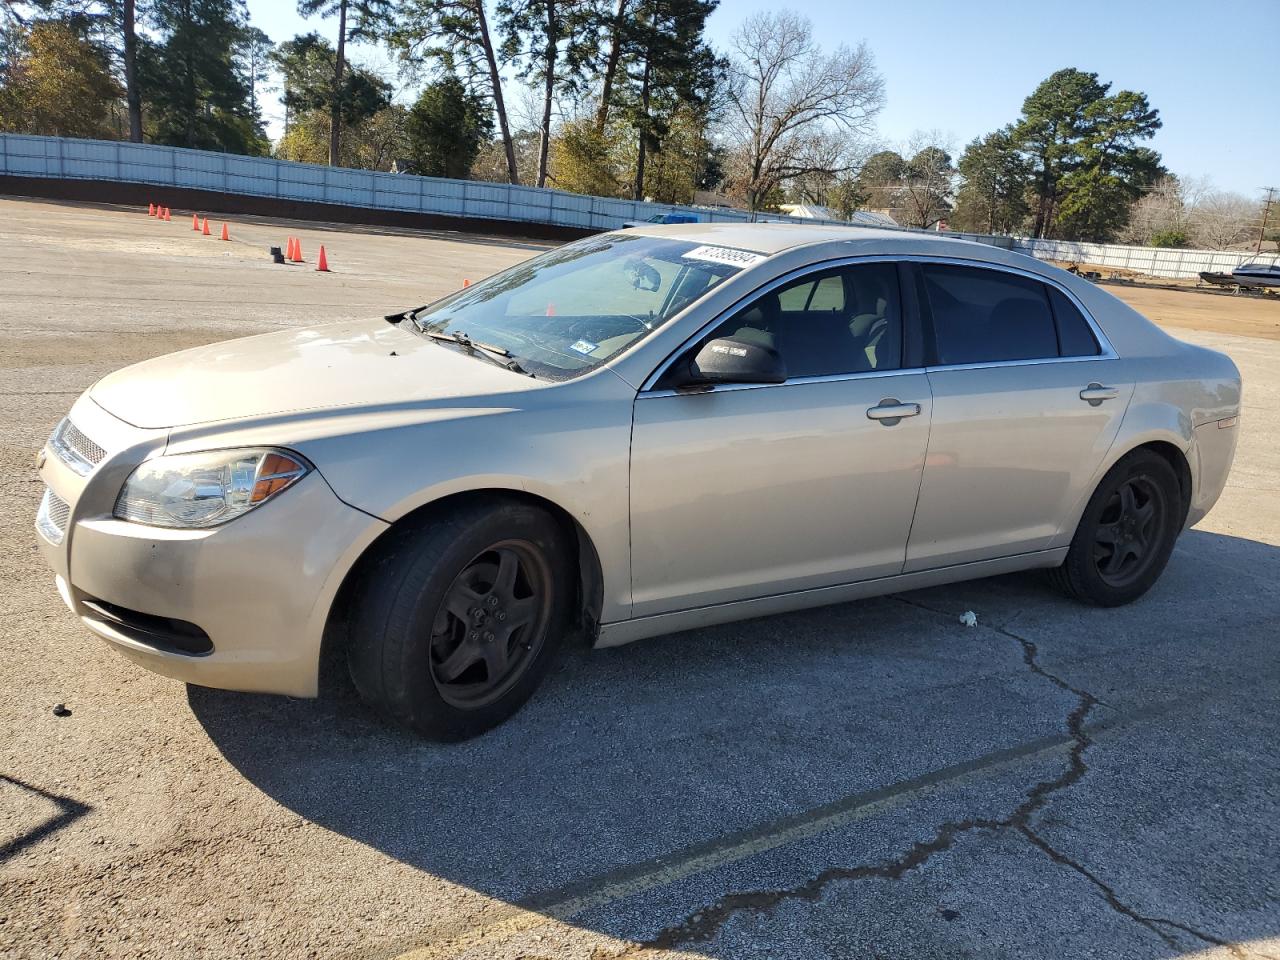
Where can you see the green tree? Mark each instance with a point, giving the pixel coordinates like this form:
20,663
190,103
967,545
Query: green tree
669,64
679,166
446,128
880,179
1081,142
582,157
357,20
57,83
307,65
195,95
454,35
109,25
846,197
1169,238
253,57
927,186
993,197
552,41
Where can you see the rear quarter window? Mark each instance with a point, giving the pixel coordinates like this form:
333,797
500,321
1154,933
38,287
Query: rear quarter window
1075,338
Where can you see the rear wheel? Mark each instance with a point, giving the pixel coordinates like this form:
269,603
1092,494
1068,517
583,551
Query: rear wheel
1126,534
459,618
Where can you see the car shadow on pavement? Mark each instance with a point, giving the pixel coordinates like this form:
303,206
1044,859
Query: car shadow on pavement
632,757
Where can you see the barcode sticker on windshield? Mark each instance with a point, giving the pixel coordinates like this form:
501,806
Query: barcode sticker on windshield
734,258
585,347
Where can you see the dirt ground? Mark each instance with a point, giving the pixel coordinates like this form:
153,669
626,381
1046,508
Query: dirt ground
871,780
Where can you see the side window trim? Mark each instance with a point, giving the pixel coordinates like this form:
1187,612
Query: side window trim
910,318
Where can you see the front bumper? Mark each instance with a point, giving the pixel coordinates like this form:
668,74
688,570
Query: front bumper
258,587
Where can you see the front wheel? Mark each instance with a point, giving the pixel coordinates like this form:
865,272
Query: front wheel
460,616
1126,534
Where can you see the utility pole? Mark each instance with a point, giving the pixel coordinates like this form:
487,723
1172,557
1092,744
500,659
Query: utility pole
1266,209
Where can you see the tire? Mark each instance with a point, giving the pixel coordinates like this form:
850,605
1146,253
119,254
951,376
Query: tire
446,639
1101,566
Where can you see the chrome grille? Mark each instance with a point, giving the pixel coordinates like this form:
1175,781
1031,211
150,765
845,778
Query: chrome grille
75,449
51,520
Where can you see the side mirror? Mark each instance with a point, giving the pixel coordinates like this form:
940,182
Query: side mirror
734,361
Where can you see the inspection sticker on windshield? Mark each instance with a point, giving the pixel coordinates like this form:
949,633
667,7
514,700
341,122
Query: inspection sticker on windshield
585,347
734,258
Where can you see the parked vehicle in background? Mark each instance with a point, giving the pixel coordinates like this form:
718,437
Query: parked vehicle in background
1258,275
1255,275
637,433
659,218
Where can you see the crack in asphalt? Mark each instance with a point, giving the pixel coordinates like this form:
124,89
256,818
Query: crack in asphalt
706,923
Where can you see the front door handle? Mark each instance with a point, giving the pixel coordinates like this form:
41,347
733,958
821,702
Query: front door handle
1095,393
889,411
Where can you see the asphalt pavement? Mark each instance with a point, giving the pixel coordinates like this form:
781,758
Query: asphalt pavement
868,780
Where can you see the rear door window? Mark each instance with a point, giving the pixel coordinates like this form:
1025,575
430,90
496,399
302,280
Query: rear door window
987,316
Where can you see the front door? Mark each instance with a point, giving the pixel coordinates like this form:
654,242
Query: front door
748,491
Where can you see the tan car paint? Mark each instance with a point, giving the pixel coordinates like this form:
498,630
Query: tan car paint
394,423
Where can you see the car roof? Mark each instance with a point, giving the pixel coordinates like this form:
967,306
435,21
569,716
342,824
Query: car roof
772,238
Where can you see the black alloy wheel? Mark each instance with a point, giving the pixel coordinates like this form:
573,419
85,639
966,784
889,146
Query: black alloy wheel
1126,533
491,624
459,614
1129,531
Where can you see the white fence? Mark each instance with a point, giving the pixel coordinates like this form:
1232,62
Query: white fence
29,156
1152,261
57,157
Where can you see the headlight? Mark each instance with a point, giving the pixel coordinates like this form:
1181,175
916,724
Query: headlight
195,490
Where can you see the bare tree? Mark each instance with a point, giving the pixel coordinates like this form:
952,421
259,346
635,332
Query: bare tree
1223,220
1168,207
929,180
786,97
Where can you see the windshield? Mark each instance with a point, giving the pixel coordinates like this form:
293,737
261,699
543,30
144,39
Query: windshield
571,309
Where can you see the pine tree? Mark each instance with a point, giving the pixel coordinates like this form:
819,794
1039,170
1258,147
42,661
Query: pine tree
1081,142
454,35
553,41
668,63
196,97
446,128
993,198
357,20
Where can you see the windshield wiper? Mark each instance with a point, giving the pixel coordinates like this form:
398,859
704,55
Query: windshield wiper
480,348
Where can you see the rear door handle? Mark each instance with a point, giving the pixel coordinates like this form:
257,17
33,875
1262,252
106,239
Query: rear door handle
889,411
1095,393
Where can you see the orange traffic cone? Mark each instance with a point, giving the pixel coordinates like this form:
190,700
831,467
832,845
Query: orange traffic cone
151,209
166,214
195,222
466,282
322,264
288,248
225,235
297,250
204,227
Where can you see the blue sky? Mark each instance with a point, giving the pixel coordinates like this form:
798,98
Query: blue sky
963,67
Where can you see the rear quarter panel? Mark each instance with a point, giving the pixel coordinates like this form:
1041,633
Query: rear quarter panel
1181,392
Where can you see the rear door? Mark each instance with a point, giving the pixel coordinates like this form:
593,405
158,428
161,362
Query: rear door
1027,401
745,491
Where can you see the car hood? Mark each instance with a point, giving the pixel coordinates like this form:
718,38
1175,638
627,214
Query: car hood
360,363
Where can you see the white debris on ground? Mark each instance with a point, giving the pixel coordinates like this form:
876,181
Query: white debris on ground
969,618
